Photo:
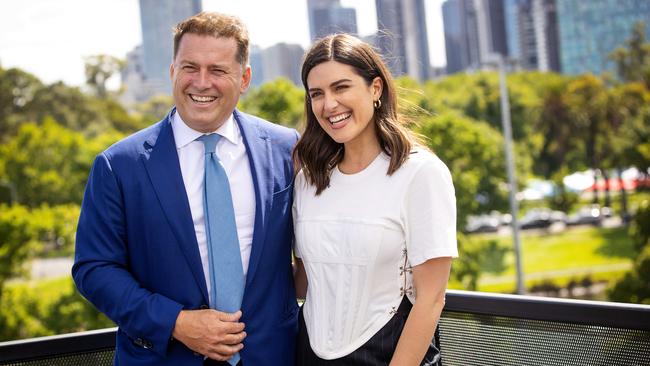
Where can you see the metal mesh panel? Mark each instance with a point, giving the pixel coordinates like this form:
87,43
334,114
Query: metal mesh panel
97,358
470,339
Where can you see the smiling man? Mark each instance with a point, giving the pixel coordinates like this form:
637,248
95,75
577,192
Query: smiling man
184,237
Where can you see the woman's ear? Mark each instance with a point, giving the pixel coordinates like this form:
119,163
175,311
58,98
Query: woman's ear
377,88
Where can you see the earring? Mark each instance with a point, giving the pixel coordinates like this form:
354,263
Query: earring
377,104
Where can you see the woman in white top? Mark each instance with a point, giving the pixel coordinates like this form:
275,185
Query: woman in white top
374,218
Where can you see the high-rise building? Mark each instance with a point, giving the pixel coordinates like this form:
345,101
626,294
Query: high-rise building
328,16
133,78
531,28
158,17
282,60
402,37
461,38
590,30
255,59
474,31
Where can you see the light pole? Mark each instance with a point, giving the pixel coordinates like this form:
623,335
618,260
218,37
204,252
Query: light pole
510,166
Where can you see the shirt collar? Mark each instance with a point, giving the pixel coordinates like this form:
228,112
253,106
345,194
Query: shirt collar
184,134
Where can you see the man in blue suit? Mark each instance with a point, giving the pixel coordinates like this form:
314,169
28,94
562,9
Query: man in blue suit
142,249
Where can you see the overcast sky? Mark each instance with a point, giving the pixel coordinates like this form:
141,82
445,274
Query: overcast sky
49,38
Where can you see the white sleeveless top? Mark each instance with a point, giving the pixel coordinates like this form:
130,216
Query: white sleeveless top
359,239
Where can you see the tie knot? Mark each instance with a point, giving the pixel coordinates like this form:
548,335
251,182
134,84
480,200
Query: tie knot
210,142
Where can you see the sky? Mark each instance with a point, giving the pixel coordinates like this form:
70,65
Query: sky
50,38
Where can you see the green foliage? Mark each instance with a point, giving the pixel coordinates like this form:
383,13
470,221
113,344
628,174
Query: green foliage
17,241
46,308
48,163
640,226
154,109
278,101
473,151
635,286
633,59
17,89
43,231
476,257
100,68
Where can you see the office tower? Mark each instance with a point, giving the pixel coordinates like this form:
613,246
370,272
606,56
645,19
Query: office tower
402,37
474,31
328,16
282,60
158,17
134,89
531,27
461,38
590,30
255,59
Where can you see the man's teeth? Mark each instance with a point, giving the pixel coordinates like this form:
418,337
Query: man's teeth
339,118
198,98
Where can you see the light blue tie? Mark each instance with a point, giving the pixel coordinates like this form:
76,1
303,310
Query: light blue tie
226,272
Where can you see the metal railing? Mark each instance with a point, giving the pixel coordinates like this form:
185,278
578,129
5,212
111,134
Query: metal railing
476,329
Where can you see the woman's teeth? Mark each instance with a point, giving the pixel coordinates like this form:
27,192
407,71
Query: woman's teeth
338,118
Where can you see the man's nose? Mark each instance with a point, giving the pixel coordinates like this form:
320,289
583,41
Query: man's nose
202,80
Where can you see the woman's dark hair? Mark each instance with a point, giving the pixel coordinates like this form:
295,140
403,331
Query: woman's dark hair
316,152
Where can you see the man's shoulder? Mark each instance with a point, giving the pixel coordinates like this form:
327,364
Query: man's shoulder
137,142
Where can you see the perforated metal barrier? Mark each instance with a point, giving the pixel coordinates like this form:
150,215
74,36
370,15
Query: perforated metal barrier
469,339
476,329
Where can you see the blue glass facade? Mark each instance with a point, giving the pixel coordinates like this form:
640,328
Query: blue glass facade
590,30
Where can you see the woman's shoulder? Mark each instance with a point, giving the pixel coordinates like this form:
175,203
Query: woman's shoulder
421,158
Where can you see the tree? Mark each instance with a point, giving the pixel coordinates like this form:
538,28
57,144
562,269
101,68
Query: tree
154,109
278,101
473,151
635,286
633,59
49,163
100,68
587,99
17,241
17,90
476,257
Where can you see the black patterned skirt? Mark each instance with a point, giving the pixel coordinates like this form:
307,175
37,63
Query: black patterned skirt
376,352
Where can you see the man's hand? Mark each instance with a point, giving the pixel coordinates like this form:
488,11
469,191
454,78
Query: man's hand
211,333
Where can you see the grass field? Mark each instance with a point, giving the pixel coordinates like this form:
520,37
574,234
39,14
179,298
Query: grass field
602,254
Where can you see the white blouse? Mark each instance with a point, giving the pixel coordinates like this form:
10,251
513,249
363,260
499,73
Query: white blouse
360,238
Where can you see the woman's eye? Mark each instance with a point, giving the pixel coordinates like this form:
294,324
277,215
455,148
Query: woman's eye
313,95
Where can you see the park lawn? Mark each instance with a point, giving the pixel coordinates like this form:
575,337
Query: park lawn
603,254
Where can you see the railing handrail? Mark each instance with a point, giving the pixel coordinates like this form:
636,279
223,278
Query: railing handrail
70,343
597,313
587,312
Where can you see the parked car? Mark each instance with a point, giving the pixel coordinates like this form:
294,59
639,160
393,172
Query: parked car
589,215
541,218
482,224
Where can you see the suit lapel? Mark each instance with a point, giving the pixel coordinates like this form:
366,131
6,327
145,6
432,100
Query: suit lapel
258,149
161,161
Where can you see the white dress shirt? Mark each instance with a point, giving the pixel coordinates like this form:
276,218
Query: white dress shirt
232,153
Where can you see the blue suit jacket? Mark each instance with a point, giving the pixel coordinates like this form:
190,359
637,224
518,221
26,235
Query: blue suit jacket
137,259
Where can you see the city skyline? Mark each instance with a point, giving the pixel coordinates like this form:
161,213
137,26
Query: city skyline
50,39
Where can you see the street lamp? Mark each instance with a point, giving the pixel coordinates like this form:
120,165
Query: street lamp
510,166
